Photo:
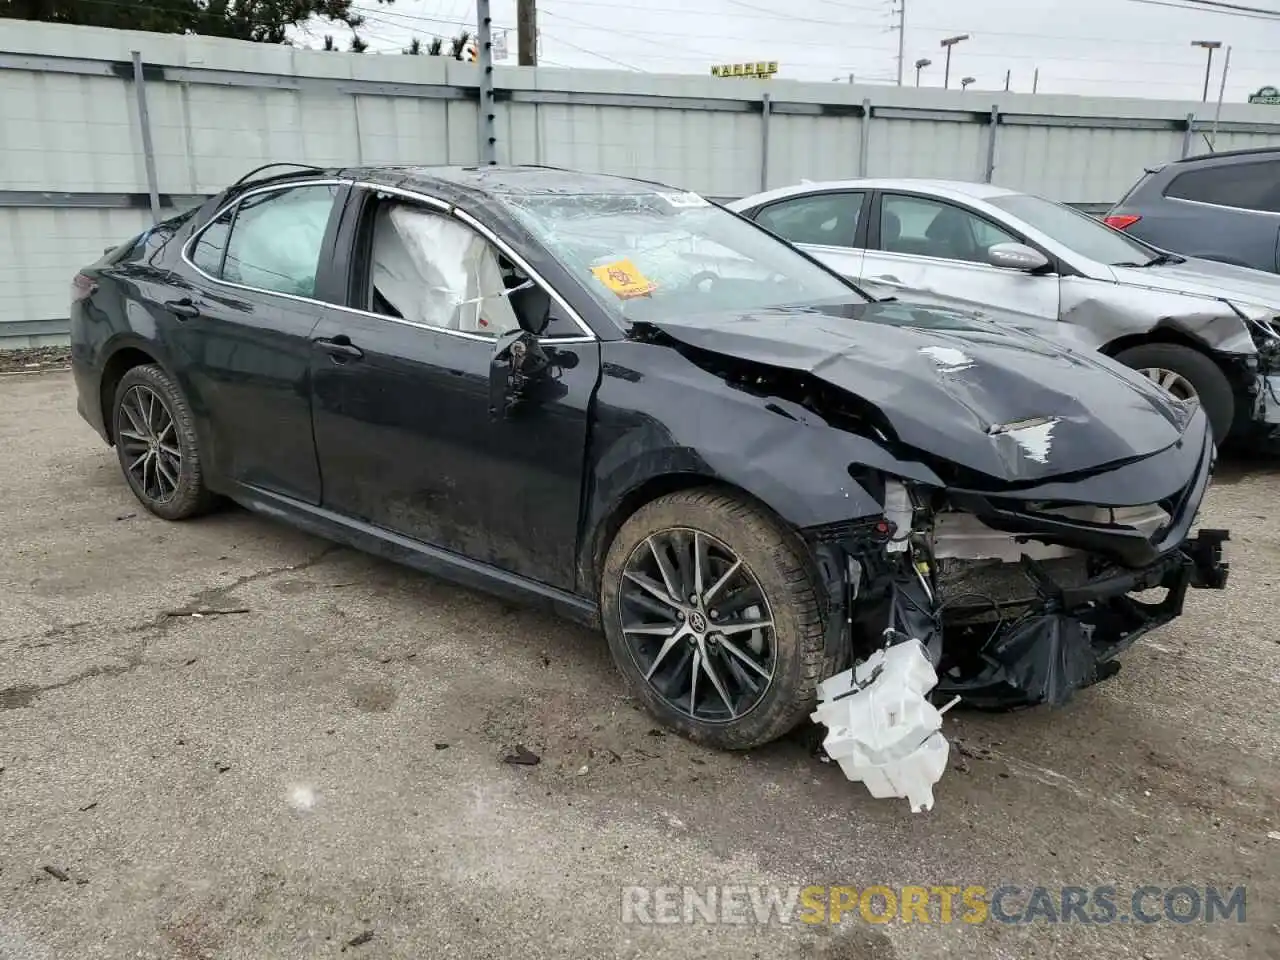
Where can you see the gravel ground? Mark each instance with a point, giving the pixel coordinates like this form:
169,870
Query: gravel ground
34,359
322,774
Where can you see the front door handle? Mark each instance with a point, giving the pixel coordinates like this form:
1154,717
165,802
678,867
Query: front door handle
340,348
183,309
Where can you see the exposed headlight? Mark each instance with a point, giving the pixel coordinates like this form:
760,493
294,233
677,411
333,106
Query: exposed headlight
1262,319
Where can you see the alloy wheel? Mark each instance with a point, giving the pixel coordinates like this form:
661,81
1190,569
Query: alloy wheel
148,437
698,625
1173,383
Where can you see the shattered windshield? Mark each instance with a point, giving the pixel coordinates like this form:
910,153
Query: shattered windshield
659,256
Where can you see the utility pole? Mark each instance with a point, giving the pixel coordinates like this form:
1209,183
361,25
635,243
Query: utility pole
527,32
1209,45
947,44
484,55
1035,81
902,36
1222,90
1008,75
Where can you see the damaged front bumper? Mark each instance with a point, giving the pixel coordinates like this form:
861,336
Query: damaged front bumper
1068,638
1038,592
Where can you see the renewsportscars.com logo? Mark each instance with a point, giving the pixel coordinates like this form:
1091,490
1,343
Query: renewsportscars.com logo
879,903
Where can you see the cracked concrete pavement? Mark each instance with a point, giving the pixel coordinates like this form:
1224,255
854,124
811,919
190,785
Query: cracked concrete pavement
321,775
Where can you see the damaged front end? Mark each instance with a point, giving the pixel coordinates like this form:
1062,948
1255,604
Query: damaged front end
1017,597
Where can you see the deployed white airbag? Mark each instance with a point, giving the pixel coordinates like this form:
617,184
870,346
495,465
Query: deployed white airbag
439,272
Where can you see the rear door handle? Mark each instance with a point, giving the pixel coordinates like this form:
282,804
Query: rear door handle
340,348
889,280
183,309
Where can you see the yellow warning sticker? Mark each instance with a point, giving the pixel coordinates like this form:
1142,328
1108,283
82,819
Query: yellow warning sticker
624,279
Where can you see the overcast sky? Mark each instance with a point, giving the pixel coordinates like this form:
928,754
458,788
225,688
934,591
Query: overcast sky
1094,47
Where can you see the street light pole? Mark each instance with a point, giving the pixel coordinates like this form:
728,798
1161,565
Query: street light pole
920,65
965,81
1209,45
902,35
947,44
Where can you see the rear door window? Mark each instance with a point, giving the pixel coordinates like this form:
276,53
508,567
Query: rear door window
276,239
270,241
829,219
212,244
1250,186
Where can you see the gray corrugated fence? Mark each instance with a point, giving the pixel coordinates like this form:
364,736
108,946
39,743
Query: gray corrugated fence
76,173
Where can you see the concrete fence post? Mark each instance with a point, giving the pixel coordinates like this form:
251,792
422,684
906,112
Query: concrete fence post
144,125
864,141
766,108
992,135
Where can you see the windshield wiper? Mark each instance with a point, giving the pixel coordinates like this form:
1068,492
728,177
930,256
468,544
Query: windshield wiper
1159,260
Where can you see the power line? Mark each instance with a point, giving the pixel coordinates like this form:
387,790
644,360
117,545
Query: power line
792,17
1233,6
574,46
978,54
763,15
1269,16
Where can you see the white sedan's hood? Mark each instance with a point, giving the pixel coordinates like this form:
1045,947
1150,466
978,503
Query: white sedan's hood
1207,278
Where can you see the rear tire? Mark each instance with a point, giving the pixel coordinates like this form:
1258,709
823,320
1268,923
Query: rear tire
156,445
774,582
1195,369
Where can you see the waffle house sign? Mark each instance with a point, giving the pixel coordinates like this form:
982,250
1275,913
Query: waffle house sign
761,71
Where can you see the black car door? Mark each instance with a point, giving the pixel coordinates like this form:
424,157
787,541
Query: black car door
401,397
243,335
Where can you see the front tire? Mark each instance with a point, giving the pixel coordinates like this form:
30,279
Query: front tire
711,608
1182,370
156,445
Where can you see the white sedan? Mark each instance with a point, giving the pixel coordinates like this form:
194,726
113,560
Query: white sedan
1201,329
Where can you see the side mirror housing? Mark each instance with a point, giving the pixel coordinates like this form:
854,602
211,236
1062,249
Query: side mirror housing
1016,256
532,307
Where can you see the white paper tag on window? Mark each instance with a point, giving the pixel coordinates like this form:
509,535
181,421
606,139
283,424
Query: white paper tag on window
684,199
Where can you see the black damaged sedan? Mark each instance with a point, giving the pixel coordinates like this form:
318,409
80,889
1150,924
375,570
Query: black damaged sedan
618,400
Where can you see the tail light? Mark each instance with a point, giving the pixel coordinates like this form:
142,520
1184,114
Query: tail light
1121,221
82,287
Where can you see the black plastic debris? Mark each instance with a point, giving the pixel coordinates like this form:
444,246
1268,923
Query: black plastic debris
522,757
359,940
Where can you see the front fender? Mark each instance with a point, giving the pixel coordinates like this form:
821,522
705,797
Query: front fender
692,427
1109,312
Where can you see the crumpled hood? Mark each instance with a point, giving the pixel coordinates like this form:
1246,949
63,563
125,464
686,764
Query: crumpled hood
1207,278
1004,403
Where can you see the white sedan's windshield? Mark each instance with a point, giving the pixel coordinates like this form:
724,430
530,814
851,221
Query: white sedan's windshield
655,256
1076,231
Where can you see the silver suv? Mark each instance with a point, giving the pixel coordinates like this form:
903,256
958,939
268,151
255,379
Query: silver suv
1220,206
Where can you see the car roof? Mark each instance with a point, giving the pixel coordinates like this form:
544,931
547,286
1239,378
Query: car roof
953,189
487,181
1227,154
